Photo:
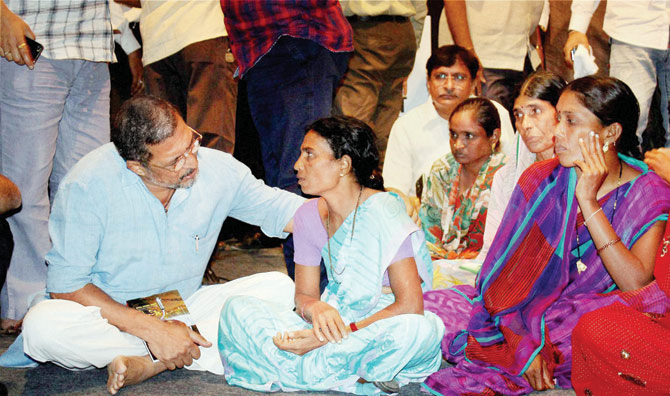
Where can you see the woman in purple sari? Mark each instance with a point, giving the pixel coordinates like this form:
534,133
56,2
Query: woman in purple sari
578,230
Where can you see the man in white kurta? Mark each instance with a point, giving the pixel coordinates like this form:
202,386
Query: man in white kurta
421,136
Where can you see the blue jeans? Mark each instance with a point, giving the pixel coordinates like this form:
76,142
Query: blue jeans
50,117
290,87
642,68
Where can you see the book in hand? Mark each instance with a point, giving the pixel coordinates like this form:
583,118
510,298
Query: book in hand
165,306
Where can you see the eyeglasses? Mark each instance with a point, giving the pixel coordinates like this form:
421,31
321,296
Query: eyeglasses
181,160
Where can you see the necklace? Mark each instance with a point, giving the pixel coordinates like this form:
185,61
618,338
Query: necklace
166,205
353,227
581,267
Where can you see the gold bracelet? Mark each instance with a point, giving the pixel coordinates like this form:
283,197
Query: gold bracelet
592,214
608,244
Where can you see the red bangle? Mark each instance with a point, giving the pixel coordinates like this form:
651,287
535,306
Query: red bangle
353,327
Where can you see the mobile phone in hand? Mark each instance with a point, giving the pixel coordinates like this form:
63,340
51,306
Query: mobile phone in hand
35,48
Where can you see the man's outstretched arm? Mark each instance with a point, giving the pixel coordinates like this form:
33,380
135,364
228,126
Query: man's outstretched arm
457,21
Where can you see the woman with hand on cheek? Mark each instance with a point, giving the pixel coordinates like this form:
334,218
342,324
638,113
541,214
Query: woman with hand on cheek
368,332
622,349
578,232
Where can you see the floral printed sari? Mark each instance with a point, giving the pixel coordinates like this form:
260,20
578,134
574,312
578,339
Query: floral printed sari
453,220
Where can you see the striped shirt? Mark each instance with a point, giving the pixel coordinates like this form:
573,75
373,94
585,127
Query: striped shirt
255,25
69,29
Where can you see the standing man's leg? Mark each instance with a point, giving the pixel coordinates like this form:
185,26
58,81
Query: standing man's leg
211,100
205,92
371,89
358,94
198,80
290,87
391,95
388,110
162,80
634,66
85,123
31,105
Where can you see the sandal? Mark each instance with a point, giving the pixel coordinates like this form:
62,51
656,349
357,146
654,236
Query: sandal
391,386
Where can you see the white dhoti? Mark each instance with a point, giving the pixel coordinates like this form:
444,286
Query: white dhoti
77,337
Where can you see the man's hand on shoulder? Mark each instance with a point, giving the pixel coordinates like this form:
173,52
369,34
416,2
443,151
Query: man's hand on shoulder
174,344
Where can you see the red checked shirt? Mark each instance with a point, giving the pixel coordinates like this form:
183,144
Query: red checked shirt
255,25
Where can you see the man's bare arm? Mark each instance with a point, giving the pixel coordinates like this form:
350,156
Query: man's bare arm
172,343
457,20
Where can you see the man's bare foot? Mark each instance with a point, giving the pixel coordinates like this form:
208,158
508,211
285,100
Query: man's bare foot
10,326
130,370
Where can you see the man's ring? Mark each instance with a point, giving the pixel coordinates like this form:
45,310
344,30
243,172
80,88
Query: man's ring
22,45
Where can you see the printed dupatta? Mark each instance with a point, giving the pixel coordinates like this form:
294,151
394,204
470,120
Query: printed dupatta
454,222
529,265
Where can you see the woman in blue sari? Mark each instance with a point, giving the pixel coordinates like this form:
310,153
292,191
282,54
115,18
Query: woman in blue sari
368,332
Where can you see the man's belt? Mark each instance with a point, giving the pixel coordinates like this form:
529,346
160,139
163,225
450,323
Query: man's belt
377,18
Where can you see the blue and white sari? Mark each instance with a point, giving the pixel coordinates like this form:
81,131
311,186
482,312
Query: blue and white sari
404,347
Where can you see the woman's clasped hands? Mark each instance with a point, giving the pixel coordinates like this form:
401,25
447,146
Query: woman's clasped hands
327,326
